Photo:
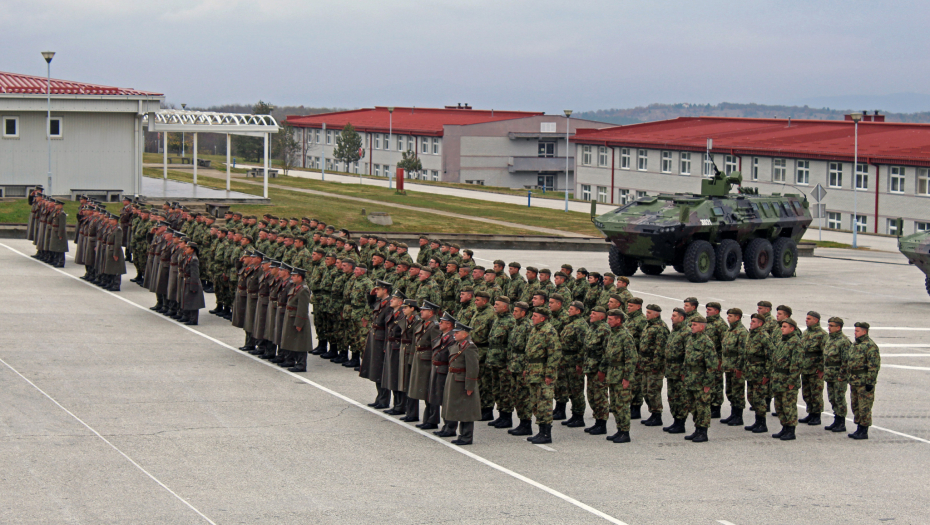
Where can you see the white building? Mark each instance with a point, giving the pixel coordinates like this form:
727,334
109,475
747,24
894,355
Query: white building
95,134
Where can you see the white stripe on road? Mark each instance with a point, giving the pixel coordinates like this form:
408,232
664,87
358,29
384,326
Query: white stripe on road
724,522
902,345
79,420
456,448
906,355
906,367
895,432
544,447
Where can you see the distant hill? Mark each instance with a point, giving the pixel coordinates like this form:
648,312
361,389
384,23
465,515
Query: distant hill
655,112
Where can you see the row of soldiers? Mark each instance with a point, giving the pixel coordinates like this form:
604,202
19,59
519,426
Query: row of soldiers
47,228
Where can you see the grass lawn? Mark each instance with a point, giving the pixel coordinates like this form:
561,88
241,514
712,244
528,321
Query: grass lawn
17,212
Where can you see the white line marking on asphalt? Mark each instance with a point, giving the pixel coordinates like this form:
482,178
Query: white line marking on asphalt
895,432
544,447
906,367
724,522
902,345
456,448
906,355
79,420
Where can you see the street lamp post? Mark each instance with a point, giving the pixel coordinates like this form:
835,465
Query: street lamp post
856,117
390,138
183,106
48,56
568,122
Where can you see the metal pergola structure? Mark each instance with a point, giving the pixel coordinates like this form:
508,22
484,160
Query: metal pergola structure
184,121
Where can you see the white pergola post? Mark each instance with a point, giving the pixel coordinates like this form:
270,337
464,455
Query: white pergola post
195,159
227,162
165,158
266,166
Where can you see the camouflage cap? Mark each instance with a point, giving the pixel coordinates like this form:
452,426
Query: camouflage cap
757,316
469,289
610,274
790,321
735,311
515,264
532,269
599,309
426,269
616,297
415,265
862,324
635,300
499,262
699,319
814,314
624,279
502,299
764,304
482,293
692,300
479,268
558,297
546,271
836,320
654,307
578,304
568,267
713,305
541,293
542,310
616,312
786,309
521,305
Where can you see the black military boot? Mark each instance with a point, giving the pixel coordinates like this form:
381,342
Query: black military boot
249,343
320,348
598,429
331,353
862,433
788,435
260,347
158,305
624,437
691,436
544,436
755,423
635,412
806,418
678,427
778,435
193,318
352,363
270,352
736,420
342,357
761,427
674,421
525,428
115,284
732,415
655,420
559,413
227,313
487,414
700,435
814,420
500,415
839,424
577,420
715,412
217,310
615,435
505,421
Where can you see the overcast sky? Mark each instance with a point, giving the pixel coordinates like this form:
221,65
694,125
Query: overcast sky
502,54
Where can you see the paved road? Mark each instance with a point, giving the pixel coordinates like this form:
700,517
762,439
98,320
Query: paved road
114,414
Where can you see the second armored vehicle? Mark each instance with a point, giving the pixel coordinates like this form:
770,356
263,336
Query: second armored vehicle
916,248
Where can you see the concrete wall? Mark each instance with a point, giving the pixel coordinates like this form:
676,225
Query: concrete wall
842,200
313,149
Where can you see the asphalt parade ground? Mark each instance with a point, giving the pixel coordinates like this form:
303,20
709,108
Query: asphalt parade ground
111,413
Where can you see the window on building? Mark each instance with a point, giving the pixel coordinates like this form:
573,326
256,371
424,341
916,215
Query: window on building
355,167
377,141
586,155
400,143
755,168
11,127
602,156
685,163
625,197
708,165
861,222
730,164
424,145
892,226
779,170
923,181
435,175
329,136
54,127
316,134
802,172
862,176
547,127
317,163
835,176
642,160
586,192
834,220
640,194
666,162
896,179
377,170
546,149
435,145
601,194
625,158
411,144
387,170
922,226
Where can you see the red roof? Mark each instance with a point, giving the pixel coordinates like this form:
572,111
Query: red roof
879,142
411,121
28,84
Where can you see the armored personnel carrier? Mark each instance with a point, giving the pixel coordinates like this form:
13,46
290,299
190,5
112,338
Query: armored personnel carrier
711,234
917,250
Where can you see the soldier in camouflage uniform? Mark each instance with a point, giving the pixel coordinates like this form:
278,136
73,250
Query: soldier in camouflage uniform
466,306
501,278
754,366
217,270
339,337
580,287
784,373
427,288
570,384
328,324
635,323
516,365
607,289
834,372
651,368
595,343
863,361
543,356
516,284
561,285
716,329
501,380
733,348
451,288
698,369
623,290
481,322
531,286
545,281
812,344
490,285
619,369
356,313
593,293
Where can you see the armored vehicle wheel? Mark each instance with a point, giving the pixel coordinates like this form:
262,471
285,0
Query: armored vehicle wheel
652,269
729,260
621,265
784,257
699,261
757,259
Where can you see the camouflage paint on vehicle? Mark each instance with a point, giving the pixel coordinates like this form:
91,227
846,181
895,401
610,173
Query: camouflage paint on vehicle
916,248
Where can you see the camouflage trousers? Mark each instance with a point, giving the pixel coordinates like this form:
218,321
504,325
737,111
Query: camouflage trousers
861,402
652,380
522,397
502,388
716,390
699,406
638,388
222,291
139,257
357,336
486,377
759,396
836,391
678,401
812,393
542,396
620,400
736,391
786,405
570,387
597,397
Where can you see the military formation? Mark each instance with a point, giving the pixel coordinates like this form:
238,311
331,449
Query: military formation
467,340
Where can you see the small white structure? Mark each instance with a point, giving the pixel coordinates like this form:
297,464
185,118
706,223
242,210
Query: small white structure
95,133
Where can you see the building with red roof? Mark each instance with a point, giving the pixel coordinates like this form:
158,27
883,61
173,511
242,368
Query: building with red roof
892,178
95,133
454,144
